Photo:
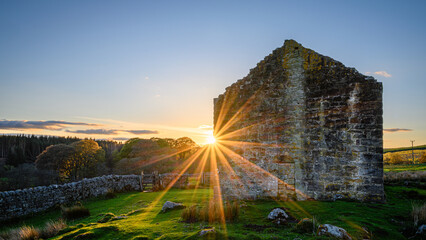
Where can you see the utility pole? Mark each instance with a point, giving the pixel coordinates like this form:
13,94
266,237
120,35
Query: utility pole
412,149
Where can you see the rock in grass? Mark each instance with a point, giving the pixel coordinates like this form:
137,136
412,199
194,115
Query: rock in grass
278,216
207,231
277,213
333,231
119,217
305,225
421,230
171,205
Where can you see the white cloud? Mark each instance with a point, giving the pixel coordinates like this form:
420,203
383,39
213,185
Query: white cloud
380,73
146,78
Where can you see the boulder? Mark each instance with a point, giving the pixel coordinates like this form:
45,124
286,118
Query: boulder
278,216
333,231
171,205
277,213
207,231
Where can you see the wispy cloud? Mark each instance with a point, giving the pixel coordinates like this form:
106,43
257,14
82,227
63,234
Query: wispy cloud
380,73
49,125
140,132
391,130
112,131
206,127
120,139
95,131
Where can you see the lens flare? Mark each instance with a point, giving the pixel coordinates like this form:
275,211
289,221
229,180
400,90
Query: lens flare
210,138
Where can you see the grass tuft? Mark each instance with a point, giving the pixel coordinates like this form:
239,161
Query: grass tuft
52,228
418,213
212,213
28,233
190,214
75,212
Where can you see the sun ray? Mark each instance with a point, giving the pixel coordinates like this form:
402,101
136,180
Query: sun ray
144,164
201,168
243,131
240,113
217,191
234,155
237,181
186,165
224,109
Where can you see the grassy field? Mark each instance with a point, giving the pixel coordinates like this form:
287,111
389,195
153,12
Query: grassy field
385,221
405,156
405,167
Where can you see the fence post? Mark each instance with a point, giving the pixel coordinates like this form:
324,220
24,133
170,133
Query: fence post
141,181
155,181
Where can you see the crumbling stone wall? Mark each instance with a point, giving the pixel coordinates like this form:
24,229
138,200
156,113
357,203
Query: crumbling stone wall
301,126
32,200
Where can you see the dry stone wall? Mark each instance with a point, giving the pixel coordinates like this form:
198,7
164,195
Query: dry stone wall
301,126
32,200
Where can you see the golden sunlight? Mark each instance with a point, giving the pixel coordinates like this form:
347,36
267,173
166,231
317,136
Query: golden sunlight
211,139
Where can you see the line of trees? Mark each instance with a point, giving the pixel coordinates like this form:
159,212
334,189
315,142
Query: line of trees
21,149
29,161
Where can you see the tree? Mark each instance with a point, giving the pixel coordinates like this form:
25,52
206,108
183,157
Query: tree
396,158
56,157
185,146
422,159
72,162
87,155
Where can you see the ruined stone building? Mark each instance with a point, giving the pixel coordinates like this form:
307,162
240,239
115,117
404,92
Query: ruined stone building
301,126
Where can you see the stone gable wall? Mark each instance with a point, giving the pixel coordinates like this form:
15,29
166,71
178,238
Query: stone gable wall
32,200
299,126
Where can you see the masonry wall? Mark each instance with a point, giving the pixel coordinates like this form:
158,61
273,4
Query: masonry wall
299,126
32,200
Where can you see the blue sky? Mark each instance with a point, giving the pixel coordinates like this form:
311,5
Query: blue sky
129,66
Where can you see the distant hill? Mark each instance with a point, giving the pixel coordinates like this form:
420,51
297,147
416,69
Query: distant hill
420,147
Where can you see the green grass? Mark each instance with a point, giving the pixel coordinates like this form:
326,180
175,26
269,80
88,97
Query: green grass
148,223
405,167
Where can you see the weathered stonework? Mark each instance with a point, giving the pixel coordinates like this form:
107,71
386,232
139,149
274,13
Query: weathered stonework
301,126
32,200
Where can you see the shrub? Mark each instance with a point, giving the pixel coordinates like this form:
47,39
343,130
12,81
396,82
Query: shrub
190,214
52,228
28,233
110,194
74,212
418,213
